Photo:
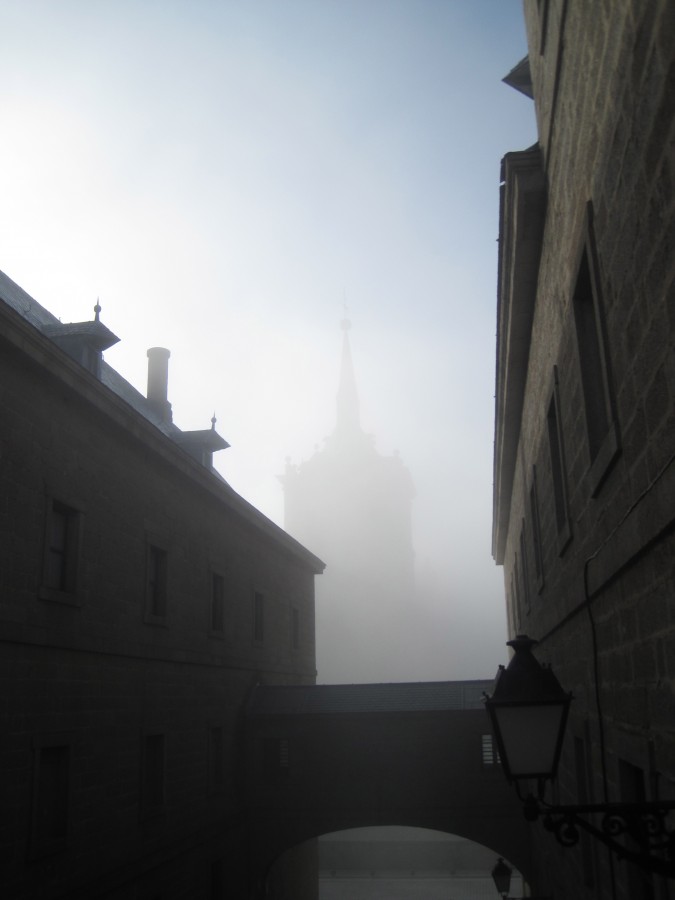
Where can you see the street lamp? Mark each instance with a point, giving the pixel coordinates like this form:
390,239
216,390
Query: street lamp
528,709
501,875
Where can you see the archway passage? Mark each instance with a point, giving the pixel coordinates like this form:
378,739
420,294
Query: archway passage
403,863
328,758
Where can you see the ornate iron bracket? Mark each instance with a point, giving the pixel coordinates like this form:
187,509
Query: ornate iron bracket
637,832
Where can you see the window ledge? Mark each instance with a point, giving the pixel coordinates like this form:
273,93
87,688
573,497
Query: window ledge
216,634
604,460
67,598
564,538
153,812
44,848
157,621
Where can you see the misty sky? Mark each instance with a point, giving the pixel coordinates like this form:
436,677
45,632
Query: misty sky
224,176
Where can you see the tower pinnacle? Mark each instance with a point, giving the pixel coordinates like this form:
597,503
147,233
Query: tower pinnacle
348,416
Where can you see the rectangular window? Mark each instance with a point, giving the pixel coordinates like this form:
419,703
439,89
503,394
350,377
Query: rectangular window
258,617
62,550
217,880
603,443
58,567
489,751
542,9
536,532
156,584
51,790
217,603
518,587
216,757
512,610
558,474
276,759
525,568
632,790
152,775
582,772
295,628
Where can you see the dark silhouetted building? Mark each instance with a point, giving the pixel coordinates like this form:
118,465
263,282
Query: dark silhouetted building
584,476
141,600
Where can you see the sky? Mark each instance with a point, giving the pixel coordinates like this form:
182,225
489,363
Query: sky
228,178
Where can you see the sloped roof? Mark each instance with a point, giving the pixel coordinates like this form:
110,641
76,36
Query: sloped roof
520,78
44,322
39,317
23,303
404,697
112,379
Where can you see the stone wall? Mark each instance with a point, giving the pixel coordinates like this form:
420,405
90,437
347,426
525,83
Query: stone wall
604,89
88,666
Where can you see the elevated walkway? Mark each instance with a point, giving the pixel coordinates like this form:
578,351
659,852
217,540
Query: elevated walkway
325,758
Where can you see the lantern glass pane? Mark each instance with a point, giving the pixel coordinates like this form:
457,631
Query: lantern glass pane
530,737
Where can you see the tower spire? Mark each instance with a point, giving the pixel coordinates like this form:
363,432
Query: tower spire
348,416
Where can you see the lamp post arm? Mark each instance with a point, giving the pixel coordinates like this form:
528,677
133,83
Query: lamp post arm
644,823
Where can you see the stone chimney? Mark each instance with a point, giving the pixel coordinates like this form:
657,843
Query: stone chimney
158,378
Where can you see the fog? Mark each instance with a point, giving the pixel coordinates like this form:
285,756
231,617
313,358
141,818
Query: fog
405,862
228,178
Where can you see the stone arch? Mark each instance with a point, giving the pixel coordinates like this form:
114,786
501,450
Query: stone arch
489,829
279,869
349,758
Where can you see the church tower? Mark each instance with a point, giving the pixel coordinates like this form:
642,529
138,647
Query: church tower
352,506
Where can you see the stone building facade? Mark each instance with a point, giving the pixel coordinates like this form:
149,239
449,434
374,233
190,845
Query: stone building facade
141,600
584,498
